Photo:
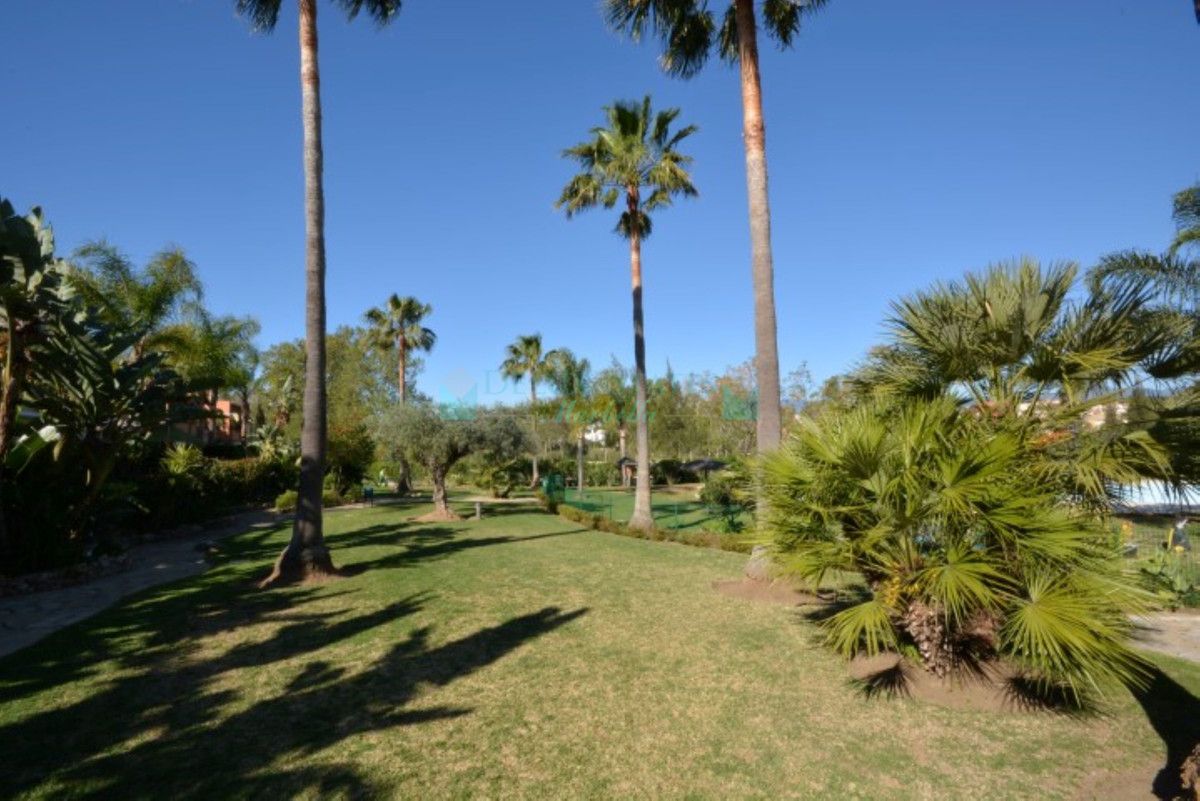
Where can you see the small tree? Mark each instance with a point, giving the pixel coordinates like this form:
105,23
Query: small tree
417,432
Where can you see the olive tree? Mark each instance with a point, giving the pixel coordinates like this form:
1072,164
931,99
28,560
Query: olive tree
420,433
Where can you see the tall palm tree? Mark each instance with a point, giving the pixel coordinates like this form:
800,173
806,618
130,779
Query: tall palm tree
398,325
689,31
306,552
570,376
525,357
614,392
635,156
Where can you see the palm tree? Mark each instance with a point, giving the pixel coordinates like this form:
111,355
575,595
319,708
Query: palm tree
635,153
967,554
306,552
613,390
687,29
1013,344
398,325
525,357
152,298
570,376
1186,213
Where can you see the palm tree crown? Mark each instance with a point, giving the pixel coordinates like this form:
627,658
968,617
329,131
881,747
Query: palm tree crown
263,14
397,324
525,357
636,151
689,28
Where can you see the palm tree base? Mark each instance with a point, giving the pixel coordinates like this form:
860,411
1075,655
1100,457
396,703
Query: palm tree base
641,521
293,568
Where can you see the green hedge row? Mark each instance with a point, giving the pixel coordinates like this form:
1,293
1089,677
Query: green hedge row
699,539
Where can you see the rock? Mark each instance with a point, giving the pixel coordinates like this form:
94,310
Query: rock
760,567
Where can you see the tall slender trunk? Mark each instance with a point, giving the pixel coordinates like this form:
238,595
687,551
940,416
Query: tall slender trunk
579,461
403,481
306,553
641,517
623,435
533,418
401,365
766,360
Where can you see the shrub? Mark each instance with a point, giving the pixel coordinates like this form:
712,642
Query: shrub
286,501
601,474
670,471
349,455
699,539
967,552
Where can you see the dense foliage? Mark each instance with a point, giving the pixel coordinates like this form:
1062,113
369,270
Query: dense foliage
966,551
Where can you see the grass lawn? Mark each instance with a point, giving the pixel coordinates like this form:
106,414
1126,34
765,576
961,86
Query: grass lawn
674,507
516,656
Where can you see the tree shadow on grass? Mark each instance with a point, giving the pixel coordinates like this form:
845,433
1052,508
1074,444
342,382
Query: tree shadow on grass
435,547
1175,715
173,724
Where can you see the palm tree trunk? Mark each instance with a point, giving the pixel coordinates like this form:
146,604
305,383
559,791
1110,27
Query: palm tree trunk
641,517
623,435
401,378
403,482
533,417
579,462
306,553
766,346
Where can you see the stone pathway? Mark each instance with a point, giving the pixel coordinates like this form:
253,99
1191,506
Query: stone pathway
1173,633
25,619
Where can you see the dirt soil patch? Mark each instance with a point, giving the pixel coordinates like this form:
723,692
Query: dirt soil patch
437,517
775,592
986,689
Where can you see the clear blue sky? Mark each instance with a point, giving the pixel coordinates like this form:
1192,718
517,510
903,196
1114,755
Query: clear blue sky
907,142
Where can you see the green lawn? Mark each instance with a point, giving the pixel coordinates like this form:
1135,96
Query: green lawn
674,507
516,656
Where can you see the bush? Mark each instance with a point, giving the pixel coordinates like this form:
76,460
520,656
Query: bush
349,454
601,474
968,553
670,471
699,539
286,501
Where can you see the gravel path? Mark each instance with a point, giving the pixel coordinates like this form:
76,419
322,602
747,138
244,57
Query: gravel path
25,619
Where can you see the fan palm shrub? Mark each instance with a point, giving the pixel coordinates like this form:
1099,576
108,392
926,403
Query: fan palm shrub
966,553
1020,345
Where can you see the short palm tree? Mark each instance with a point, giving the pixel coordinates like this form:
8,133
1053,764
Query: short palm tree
689,31
525,358
1010,342
306,552
633,157
966,554
397,325
570,375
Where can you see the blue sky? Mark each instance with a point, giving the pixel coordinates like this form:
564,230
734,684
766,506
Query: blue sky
907,142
